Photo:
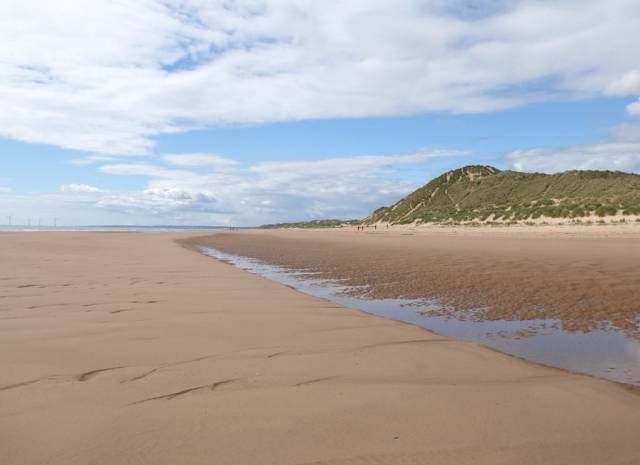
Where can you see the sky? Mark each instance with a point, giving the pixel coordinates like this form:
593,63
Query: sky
207,112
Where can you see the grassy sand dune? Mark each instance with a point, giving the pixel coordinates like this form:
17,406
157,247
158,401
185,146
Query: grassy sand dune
482,194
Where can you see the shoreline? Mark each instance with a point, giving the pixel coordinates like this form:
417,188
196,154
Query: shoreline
584,229
586,280
292,279
129,347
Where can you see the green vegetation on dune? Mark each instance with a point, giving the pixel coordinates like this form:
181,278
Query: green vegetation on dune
486,194
313,224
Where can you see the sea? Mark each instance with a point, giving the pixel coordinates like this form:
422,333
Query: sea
110,227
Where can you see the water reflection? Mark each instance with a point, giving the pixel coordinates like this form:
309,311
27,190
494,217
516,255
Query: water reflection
607,354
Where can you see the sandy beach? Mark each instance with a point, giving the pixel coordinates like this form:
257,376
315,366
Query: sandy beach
127,348
586,277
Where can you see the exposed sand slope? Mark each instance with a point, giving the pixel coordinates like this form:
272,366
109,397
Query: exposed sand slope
127,348
582,276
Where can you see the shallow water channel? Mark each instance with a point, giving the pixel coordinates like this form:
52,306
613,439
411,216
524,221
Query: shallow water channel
609,354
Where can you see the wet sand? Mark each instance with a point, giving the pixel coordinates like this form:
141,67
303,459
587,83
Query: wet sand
128,348
586,277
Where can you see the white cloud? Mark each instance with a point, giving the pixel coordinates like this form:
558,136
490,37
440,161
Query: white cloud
347,165
627,84
143,169
79,189
5,190
201,159
270,191
160,201
634,108
620,156
102,80
94,159
620,152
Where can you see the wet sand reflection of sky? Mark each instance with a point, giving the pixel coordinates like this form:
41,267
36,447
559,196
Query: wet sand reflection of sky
604,353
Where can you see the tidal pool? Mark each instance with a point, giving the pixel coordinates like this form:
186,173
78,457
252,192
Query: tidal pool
609,353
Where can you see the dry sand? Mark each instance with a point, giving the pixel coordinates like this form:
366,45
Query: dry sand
127,348
586,277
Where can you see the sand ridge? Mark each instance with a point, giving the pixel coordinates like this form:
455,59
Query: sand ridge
128,348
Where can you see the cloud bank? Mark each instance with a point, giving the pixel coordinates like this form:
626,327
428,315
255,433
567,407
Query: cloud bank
617,156
79,189
110,77
227,192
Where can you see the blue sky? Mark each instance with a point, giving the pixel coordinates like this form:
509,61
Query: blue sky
268,111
